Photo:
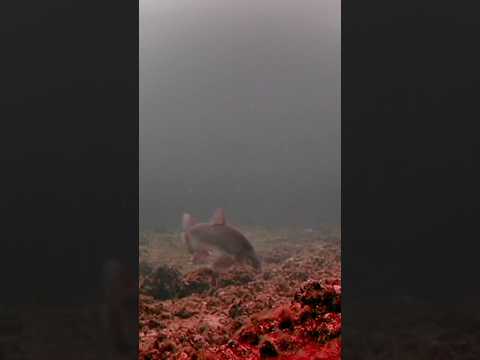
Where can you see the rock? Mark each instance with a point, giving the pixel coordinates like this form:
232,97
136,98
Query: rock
163,283
184,313
316,294
199,281
267,349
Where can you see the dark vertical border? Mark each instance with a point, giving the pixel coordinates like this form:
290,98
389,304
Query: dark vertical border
69,164
409,179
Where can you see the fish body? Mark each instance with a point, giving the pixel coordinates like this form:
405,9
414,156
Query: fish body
217,234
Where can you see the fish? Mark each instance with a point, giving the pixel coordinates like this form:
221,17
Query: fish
200,238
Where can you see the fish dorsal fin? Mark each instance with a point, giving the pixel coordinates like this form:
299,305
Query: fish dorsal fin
188,221
218,217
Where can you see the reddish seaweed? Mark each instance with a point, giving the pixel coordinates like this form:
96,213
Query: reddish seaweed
237,314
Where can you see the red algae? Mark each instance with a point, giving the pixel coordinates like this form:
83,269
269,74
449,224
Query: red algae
237,314
314,351
267,336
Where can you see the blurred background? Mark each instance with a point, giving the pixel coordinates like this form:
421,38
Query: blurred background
240,108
